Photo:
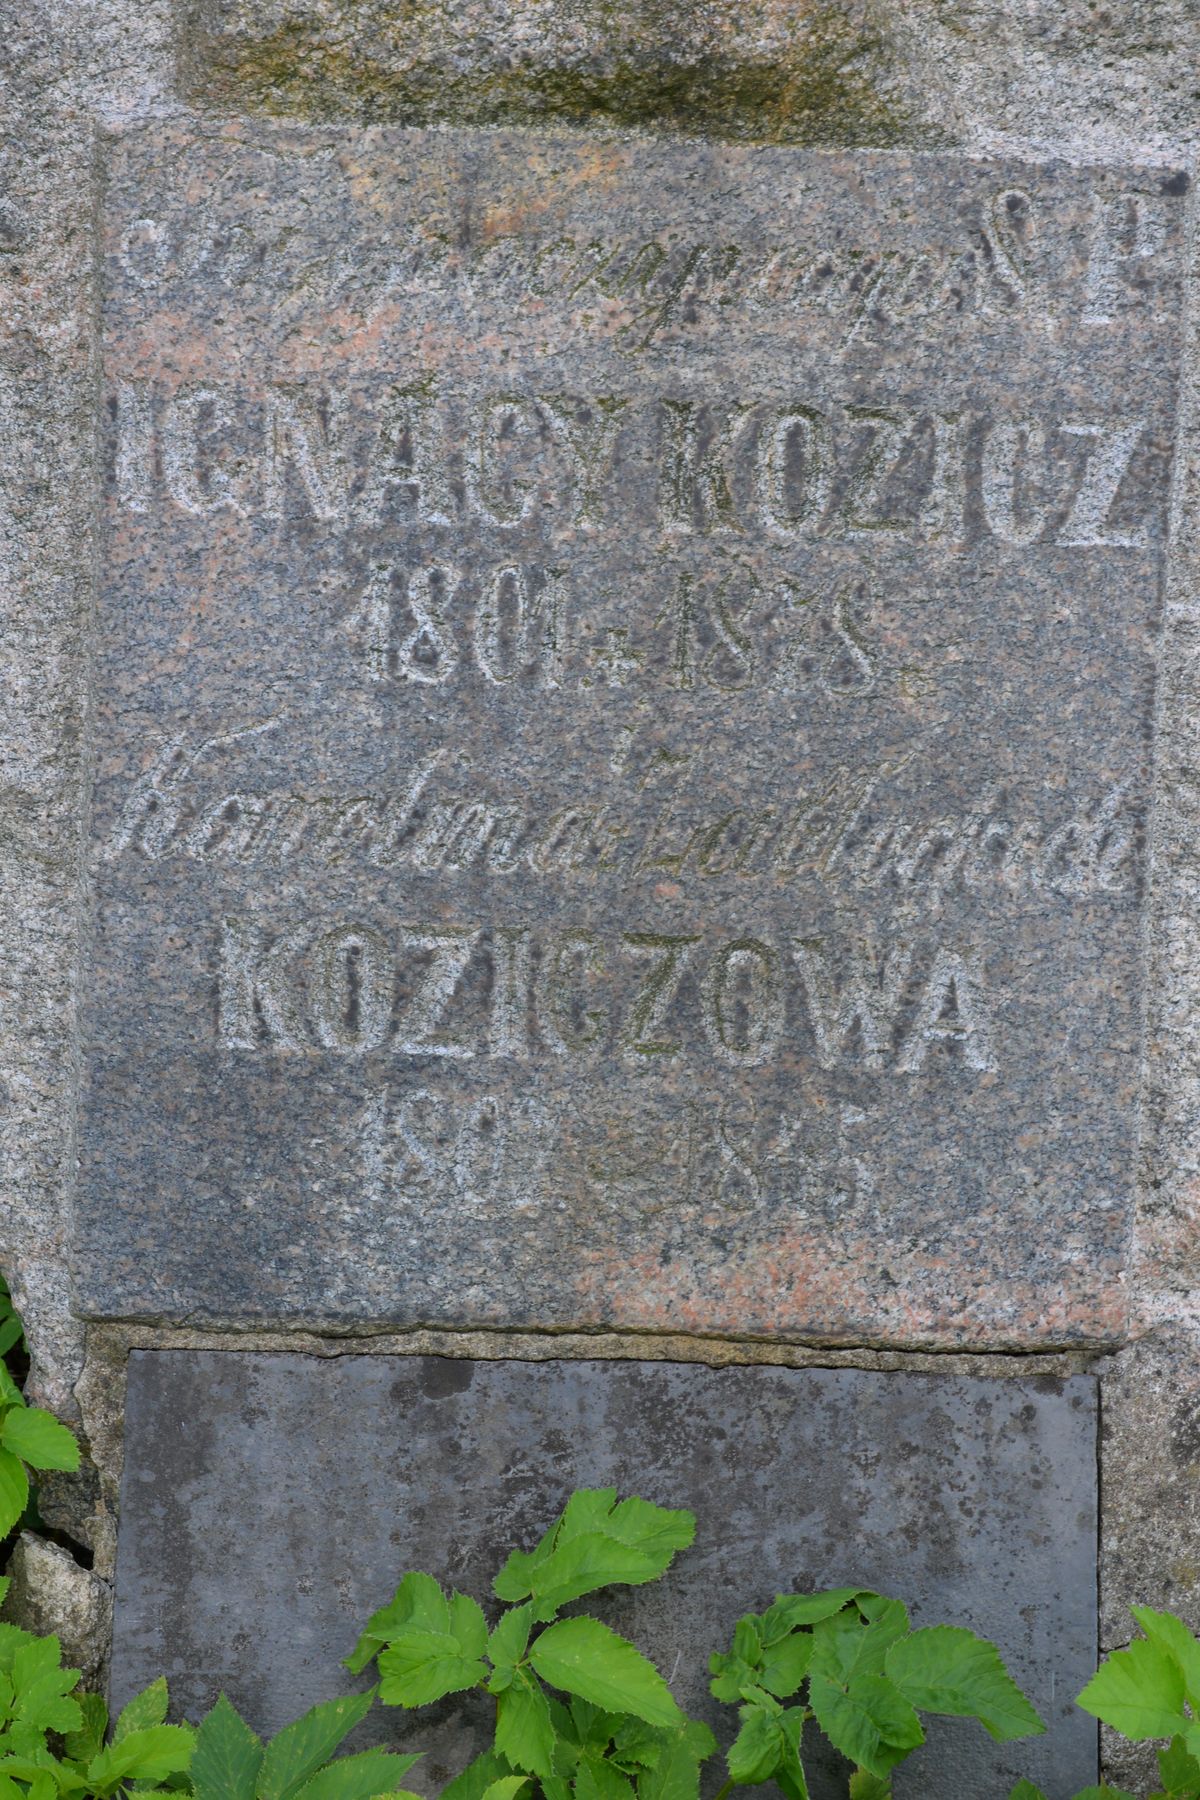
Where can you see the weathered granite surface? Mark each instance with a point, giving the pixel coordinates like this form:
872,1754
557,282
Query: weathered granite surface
270,1503
623,692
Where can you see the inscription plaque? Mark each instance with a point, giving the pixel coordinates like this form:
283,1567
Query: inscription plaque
972,1500
625,679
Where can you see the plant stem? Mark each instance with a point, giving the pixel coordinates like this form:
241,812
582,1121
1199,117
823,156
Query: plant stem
723,1791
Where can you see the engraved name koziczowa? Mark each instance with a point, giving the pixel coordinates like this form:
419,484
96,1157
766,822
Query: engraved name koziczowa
624,684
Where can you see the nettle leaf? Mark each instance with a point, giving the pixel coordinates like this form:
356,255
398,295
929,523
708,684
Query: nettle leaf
524,1730
1138,1691
870,1722
420,1666
148,1755
945,1669
582,1656
477,1777
147,1708
358,1777
757,1750
296,1753
596,1542
14,1489
39,1439
418,1603
227,1756
1173,1636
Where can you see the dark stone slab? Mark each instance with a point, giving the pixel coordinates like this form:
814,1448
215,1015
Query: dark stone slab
624,704
271,1502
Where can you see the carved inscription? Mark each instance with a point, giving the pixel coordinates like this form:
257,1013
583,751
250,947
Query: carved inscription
624,681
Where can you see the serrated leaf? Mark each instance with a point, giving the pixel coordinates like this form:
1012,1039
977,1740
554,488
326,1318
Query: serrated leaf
946,1669
39,1439
147,1755
674,1773
594,1544
227,1756
41,1687
477,1777
1138,1691
524,1732
296,1753
789,1776
872,1723
418,1604
420,1666
865,1786
509,1639
786,1663
1177,1767
757,1750
507,1788
582,1656
731,1676
468,1624
14,1489
1025,1790
147,1708
10,1393
87,1740
1173,1636
358,1777
791,1610
596,1779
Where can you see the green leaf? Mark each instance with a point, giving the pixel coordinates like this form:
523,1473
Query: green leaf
865,1786
1104,1792
147,1755
583,1657
227,1757
38,1439
477,1777
468,1624
1139,1692
597,1779
791,1610
420,1666
14,1489
1177,1767
790,1774
418,1603
945,1669
674,1773
507,1643
757,1750
507,1788
1173,1636
847,1645
147,1708
786,1663
41,1687
731,1676
358,1777
298,1751
87,1740
871,1723
10,1393
1025,1790
524,1732
593,1544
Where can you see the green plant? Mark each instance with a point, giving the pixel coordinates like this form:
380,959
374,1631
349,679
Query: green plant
30,1438
1150,1690
618,1732
230,1762
848,1660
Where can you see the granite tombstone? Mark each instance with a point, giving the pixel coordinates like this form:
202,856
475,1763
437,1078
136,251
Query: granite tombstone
275,1501
625,680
